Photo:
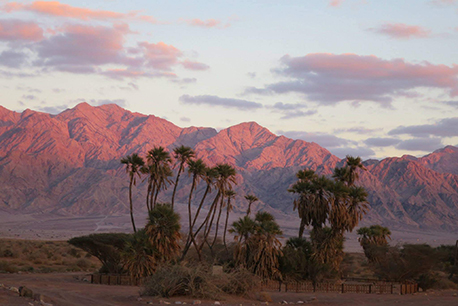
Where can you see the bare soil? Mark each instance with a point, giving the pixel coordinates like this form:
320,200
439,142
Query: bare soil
69,289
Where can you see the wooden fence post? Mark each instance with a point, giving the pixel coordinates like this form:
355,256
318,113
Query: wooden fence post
343,287
370,288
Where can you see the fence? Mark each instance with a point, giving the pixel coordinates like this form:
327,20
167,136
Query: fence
369,286
115,279
378,287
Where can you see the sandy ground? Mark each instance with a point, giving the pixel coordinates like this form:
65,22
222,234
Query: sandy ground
52,227
68,289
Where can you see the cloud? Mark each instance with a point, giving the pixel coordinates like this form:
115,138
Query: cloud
381,142
12,59
209,23
335,3
323,139
57,9
356,130
185,119
401,31
444,2
217,101
290,111
328,79
29,97
187,64
251,74
447,127
362,152
451,103
185,81
56,109
18,30
420,144
120,102
96,49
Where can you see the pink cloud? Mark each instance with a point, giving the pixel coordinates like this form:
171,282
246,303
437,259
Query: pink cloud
160,55
57,9
335,3
331,78
402,31
187,64
444,2
17,30
209,23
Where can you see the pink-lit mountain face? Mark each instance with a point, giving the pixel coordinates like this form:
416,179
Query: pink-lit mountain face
69,164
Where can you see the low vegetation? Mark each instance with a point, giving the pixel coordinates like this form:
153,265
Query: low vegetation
43,257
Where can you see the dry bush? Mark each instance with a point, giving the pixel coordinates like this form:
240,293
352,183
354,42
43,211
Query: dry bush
178,280
198,282
6,267
265,297
240,282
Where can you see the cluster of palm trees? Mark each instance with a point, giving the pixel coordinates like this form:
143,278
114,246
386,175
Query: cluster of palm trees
158,167
374,240
331,207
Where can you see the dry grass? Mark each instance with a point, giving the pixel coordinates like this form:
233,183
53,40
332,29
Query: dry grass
43,257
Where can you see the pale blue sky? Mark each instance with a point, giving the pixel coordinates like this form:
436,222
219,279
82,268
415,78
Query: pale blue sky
328,97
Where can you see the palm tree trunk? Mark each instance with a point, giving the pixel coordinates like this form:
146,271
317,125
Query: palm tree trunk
301,228
158,188
188,242
147,194
208,226
176,183
130,200
153,190
217,223
227,220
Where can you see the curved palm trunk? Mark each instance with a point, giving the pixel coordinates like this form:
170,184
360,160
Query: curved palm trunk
208,224
130,200
227,220
189,241
158,188
148,194
217,223
248,212
176,183
301,228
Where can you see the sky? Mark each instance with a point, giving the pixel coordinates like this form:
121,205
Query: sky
359,77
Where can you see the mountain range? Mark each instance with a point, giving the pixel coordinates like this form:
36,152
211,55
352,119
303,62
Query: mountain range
69,164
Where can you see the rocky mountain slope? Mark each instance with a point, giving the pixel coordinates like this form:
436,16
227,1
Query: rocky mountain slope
68,164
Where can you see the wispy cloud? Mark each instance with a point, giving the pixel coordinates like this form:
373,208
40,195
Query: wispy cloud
57,9
218,101
447,127
402,31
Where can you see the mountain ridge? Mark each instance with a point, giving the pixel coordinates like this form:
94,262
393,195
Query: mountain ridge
69,164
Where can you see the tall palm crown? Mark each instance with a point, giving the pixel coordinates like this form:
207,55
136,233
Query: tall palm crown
251,199
133,165
354,163
158,162
183,155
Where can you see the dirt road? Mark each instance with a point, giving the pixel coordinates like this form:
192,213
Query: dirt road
67,289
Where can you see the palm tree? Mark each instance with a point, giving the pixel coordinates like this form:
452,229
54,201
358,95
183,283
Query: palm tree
133,165
198,170
225,180
163,230
138,256
354,163
374,241
258,248
210,175
251,199
158,167
230,194
183,155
